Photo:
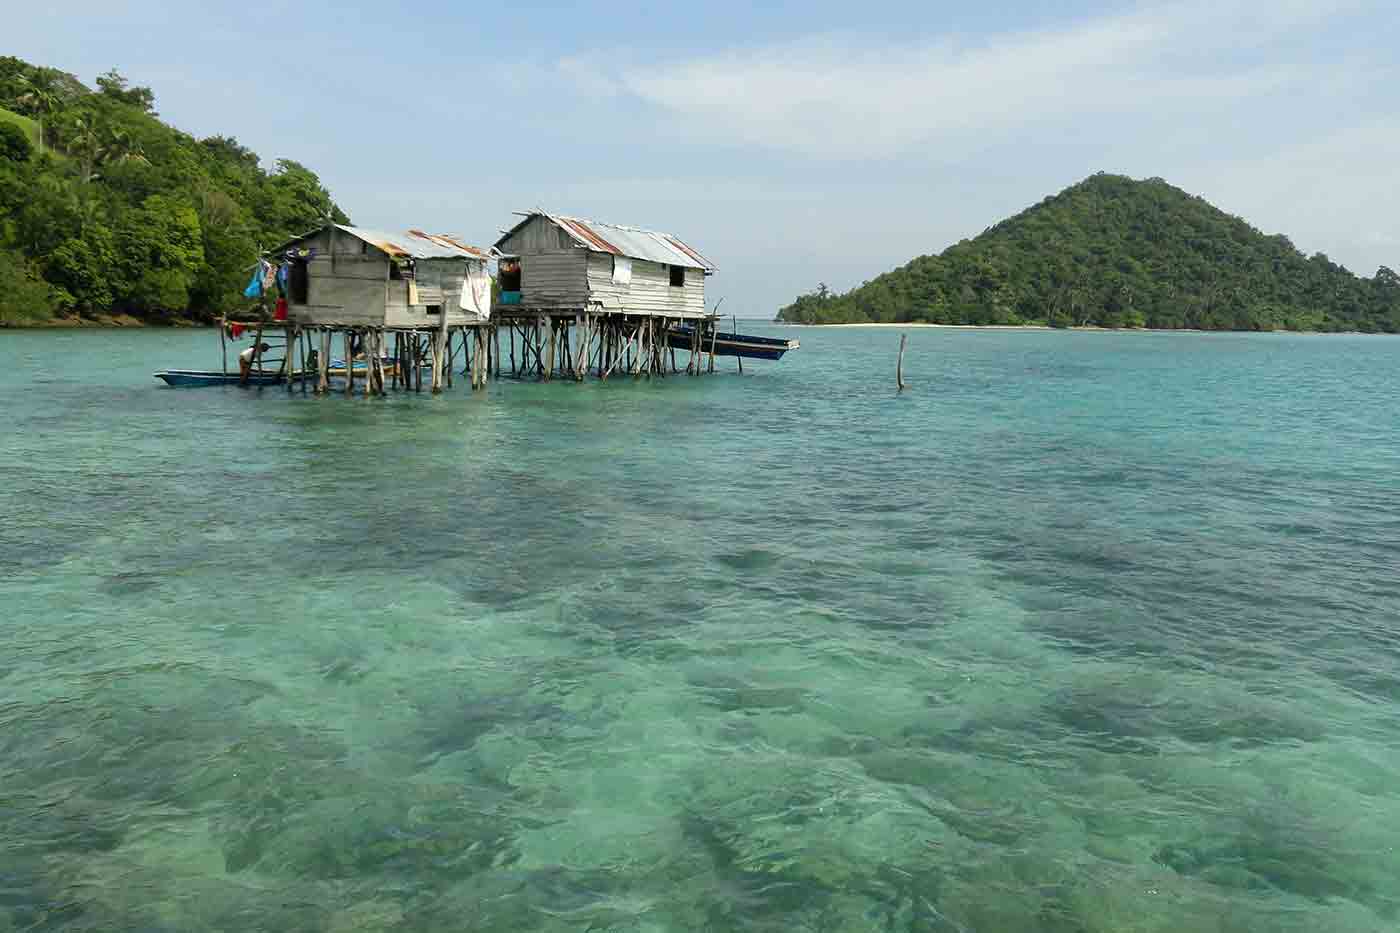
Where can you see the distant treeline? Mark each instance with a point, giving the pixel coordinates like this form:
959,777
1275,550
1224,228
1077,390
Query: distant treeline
105,209
1114,252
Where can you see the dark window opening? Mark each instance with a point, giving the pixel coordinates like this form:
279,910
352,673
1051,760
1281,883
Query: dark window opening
364,248
434,309
508,274
395,273
678,276
298,282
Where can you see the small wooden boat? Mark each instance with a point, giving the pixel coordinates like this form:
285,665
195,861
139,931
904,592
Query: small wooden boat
742,345
190,378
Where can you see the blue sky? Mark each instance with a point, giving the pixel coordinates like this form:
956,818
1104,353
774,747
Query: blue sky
792,143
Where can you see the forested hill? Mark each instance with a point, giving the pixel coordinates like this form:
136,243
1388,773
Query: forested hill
104,209
1115,252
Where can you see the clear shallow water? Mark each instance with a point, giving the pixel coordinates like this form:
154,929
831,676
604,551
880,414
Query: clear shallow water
1084,632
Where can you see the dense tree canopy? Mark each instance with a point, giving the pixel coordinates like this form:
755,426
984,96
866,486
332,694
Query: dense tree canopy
1114,252
107,209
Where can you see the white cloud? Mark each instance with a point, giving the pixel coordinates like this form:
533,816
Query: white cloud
859,97
1334,194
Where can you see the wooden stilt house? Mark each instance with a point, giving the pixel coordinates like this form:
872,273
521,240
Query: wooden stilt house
344,276
553,264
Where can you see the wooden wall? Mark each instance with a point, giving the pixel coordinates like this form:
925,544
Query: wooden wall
650,292
352,288
553,270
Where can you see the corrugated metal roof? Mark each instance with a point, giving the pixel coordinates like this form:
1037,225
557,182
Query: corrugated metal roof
416,244
624,241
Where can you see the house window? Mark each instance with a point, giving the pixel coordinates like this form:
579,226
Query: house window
434,309
395,273
678,276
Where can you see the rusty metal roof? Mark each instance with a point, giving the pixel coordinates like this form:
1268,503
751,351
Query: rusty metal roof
415,244
623,241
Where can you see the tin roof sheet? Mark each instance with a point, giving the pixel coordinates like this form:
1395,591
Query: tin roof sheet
415,244
625,241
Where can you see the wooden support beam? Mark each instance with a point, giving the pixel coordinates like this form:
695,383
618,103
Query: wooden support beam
323,364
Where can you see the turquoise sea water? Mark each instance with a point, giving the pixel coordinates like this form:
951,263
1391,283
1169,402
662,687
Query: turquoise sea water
1083,632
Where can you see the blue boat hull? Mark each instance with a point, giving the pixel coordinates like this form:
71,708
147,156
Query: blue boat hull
741,345
190,378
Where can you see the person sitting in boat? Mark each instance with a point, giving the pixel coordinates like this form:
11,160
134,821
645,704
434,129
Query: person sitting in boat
245,359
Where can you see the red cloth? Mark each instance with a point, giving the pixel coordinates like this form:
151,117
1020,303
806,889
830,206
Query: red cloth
235,331
281,313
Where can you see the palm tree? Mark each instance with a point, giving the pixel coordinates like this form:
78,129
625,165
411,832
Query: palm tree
41,98
82,141
119,146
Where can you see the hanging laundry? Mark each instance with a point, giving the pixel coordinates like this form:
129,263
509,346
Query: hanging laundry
261,282
622,270
280,314
282,272
476,291
235,331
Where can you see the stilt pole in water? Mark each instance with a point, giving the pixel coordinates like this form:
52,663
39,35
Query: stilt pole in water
899,364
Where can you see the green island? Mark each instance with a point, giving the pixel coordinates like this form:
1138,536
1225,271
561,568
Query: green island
109,215
1115,252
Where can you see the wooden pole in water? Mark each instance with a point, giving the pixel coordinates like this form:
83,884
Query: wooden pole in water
546,322
899,364
223,340
323,378
289,341
349,362
735,319
714,335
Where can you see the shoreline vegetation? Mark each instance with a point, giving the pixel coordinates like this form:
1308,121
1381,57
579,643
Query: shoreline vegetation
1117,253
111,217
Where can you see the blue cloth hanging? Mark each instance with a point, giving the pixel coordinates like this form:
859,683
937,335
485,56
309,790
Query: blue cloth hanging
254,289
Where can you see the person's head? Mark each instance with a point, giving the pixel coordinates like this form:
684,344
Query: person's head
264,347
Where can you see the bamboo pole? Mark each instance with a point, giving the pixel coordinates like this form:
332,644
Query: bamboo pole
223,340
714,335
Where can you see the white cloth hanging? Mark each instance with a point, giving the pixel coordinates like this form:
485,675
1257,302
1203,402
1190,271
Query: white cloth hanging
622,270
476,291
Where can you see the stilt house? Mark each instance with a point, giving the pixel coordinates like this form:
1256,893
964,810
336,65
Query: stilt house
343,276
557,264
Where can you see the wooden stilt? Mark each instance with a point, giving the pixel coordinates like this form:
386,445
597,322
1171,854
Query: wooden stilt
447,363
440,356
223,340
323,363
546,323
349,362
